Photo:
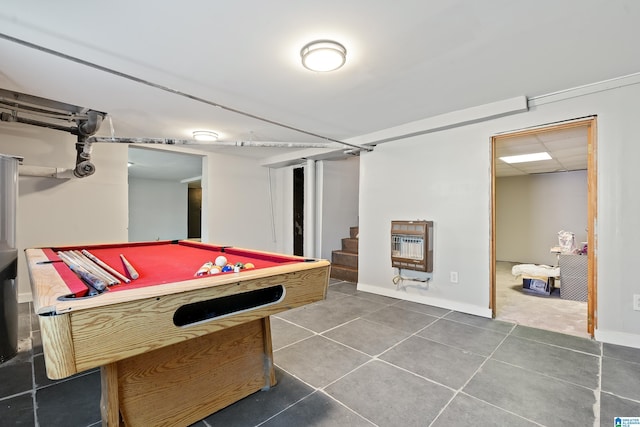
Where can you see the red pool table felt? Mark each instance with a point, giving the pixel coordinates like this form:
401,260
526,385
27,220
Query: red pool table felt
161,261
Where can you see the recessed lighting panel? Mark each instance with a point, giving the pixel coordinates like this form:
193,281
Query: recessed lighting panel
523,158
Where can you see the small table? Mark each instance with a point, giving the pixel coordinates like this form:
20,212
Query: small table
173,348
557,251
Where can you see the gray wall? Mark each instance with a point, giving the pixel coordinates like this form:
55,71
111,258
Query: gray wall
450,176
531,209
157,210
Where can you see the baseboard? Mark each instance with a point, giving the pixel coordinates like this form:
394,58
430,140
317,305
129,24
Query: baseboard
421,299
617,338
24,297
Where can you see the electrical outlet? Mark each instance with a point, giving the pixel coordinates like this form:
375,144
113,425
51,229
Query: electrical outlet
453,277
636,302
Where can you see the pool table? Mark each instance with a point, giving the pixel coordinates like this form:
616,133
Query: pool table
172,347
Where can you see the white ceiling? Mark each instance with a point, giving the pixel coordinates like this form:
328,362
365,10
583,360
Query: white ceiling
159,68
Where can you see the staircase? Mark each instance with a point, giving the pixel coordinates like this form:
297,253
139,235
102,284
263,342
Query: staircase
344,262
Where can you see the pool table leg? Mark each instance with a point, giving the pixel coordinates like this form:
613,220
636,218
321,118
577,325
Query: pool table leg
269,369
109,407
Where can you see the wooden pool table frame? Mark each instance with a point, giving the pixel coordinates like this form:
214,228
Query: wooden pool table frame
153,372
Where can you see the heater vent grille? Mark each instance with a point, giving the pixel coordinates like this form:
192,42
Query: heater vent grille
412,245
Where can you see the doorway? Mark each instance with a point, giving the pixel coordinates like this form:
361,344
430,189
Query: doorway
582,156
194,211
160,183
298,211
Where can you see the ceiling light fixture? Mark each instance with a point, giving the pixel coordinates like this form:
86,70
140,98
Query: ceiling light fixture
523,158
323,55
205,135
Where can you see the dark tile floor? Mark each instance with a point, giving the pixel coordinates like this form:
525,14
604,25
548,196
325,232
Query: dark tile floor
359,359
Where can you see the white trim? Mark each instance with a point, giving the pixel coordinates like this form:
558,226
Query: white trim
309,243
458,118
441,122
618,338
437,123
436,302
545,126
588,89
319,206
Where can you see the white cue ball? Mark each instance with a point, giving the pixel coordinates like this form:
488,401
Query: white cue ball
221,261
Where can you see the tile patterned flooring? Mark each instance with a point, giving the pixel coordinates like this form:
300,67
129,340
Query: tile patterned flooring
359,359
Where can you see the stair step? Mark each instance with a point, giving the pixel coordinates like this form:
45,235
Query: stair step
350,245
353,232
344,258
342,272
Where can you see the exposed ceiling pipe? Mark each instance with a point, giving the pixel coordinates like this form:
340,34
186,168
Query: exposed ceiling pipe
49,114
92,124
45,172
275,144
84,166
177,92
7,117
84,147
171,141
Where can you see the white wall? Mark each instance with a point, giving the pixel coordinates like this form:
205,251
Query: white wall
531,209
339,202
416,178
239,206
69,211
236,198
413,180
157,210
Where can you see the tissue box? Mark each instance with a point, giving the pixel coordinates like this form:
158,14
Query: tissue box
538,284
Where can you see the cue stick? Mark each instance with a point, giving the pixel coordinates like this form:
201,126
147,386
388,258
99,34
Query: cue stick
95,283
93,268
86,265
70,257
132,271
105,266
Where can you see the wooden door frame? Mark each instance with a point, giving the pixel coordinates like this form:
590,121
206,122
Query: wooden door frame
592,199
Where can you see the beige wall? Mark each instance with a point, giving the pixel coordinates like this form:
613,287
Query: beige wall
531,209
65,211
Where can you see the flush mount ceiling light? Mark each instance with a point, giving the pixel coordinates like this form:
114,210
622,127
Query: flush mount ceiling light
533,157
323,55
205,135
